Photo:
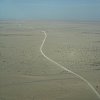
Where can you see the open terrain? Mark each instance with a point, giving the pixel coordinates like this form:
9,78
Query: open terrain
25,74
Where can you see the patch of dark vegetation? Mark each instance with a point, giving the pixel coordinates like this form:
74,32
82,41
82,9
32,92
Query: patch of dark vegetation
2,98
97,41
55,74
15,34
89,33
97,69
36,81
4,61
0,54
96,33
62,98
17,29
84,32
95,64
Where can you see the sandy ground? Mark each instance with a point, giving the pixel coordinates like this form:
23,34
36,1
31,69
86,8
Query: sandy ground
26,75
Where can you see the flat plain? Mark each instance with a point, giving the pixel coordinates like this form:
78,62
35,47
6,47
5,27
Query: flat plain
26,75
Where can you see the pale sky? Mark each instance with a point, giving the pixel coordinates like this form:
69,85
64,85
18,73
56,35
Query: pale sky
50,9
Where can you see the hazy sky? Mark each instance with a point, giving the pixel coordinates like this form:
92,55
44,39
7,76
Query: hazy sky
50,9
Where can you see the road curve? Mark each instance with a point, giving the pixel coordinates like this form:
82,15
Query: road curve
64,68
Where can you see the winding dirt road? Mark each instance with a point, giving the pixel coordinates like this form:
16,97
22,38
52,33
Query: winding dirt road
64,68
